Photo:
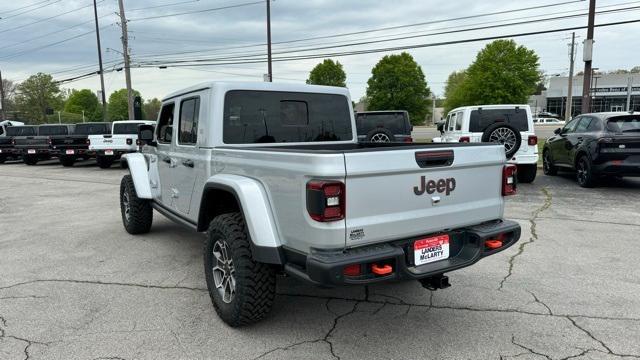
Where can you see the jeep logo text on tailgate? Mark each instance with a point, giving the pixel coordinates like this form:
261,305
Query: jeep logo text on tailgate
442,186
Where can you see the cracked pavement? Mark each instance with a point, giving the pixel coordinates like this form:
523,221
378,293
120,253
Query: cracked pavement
74,285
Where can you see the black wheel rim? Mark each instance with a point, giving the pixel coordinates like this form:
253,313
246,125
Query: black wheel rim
582,172
545,164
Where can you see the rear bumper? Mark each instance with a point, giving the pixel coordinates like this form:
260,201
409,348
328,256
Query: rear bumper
77,152
524,159
618,167
116,153
467,246
10,152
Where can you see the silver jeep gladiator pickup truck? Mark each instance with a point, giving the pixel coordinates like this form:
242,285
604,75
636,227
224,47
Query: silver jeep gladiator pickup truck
275,176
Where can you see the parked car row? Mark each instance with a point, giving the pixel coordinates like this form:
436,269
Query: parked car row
105,141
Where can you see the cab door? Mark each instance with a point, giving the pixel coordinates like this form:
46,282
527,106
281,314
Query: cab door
164,150
558,144
189,164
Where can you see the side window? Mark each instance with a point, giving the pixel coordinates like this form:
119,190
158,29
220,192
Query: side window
189,111
452,121
583,125
570,126
1,130
459,121
165,123
446,123
595,126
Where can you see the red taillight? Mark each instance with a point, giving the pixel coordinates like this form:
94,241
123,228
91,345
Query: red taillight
408,139
352,270
533,140
464,139
509,180
129,141
325,200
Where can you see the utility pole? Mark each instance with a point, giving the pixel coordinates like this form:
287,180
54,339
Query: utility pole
104,101
433,108
125,52
588,57
629,88
2,110
569,109
269,69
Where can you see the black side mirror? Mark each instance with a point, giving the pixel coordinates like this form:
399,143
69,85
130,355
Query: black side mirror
145,134
441,128
557,131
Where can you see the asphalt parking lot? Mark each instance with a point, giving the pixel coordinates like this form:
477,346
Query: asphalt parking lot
75,285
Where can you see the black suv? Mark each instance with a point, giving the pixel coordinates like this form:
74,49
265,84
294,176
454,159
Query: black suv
595,146
384,126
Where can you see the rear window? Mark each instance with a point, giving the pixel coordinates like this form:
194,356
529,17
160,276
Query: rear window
481,119
21,131
394,122
629,123
92,129
52,130
280,117
126,128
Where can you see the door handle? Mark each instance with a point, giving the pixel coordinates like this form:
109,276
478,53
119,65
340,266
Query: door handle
187,163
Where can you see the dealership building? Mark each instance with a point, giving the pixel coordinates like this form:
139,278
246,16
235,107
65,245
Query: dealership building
609,92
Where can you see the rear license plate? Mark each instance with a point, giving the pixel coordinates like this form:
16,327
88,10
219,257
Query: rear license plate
69,152
108,152
431,249
31,151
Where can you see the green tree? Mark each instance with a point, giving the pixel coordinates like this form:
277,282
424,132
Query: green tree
398,83
84,100
328,73
453,91
37,94
9,87
117,109
503,73
151,108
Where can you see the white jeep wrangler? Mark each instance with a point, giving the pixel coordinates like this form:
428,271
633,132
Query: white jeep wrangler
122,140
510,125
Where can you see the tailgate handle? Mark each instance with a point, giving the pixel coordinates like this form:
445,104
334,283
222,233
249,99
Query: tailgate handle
427,159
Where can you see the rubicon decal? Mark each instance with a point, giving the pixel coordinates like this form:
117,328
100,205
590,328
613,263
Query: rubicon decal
446,186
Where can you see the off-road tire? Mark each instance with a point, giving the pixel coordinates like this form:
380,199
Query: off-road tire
380,133
3,159
527,173
548,167
30,160
140,215
255,283
104,162
67,161
584,172
486,137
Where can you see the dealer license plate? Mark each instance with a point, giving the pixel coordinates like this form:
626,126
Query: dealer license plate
69,152
31,151
431,249
108,152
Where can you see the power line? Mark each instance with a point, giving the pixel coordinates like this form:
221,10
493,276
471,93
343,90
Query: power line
30,10
24,7
47,19
198,11
163,5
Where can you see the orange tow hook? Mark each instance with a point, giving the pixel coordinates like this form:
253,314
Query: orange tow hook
493,244
381,270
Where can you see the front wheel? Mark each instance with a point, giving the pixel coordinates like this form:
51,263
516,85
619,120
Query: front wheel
548,167
584,173
137,214
242,290
527,173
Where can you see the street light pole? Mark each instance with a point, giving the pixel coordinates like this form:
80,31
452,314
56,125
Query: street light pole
588,57
104,101
269,67
569,109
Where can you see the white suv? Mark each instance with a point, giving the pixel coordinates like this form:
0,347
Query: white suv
511,125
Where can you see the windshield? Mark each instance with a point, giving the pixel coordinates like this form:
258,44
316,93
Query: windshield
629,123
482,119
279,117
126,128
394,122
21,131
52,130
92,129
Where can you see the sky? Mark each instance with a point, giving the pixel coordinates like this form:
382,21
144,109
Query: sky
58,37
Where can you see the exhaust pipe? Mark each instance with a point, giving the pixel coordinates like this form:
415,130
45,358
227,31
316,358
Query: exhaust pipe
436,282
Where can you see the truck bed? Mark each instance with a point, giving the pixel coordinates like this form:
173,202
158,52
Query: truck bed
353,147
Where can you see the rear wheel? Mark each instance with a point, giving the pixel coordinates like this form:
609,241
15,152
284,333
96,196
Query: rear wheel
547,165
527,173
3,159
30,160
242,290
104,162
67,161
504,134
137,214
584,173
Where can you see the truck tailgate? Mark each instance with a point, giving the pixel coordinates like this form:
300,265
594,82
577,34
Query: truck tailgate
110,142
390,196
